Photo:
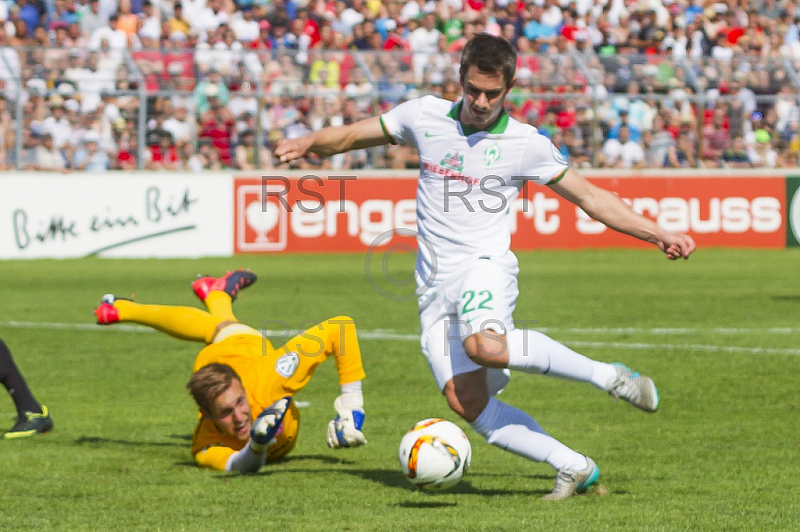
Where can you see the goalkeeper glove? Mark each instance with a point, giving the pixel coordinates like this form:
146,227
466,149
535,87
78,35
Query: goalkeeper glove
268,424
345,429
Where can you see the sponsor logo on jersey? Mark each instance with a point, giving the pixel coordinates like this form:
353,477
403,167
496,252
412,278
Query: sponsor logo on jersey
491,154
453,161
287,364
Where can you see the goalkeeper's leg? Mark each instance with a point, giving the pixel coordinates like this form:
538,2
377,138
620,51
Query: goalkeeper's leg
186,323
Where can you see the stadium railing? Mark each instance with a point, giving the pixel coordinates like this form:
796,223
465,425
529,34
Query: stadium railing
375,80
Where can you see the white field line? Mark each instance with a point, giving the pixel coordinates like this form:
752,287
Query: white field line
385,334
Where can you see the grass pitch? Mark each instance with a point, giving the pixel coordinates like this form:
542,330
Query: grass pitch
719,334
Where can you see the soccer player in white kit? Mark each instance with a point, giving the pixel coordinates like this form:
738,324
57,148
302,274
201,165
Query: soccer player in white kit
474,161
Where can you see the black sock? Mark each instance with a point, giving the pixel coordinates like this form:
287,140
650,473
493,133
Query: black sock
17,388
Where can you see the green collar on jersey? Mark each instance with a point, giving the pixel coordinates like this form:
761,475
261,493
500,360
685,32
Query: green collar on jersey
497,127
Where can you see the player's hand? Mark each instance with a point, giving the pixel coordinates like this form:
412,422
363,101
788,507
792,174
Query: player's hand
345,429
288,150
677,246
268,423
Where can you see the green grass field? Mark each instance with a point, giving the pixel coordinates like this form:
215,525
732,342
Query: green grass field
719,334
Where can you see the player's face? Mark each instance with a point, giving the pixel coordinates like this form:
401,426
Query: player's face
231,412
484,96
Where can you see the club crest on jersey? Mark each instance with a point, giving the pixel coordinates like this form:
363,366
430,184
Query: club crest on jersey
287,364
453,161
491,154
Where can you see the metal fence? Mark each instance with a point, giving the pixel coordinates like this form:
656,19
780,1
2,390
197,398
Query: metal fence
124,95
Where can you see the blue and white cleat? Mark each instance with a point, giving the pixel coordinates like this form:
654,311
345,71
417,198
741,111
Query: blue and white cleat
570,482
638,390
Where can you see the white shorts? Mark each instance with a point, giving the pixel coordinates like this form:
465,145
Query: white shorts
481,297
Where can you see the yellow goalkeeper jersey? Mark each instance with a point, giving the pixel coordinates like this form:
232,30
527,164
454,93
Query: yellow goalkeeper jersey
267,374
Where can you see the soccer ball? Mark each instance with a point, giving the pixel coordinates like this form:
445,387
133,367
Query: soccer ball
435,454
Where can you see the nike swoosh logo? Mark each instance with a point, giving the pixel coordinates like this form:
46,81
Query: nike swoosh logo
428,135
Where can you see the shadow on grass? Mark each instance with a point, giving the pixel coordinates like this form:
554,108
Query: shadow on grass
390,478
787,297
421,505
83,440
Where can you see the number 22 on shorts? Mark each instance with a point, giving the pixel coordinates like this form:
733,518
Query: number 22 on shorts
473,301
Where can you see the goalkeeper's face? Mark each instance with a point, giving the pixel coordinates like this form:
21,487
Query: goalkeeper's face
231,412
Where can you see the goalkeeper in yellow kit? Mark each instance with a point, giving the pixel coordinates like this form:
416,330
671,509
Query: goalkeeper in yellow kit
242,385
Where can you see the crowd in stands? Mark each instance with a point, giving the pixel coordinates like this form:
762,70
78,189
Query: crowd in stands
614,83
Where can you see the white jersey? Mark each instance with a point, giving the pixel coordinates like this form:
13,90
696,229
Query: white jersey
468,181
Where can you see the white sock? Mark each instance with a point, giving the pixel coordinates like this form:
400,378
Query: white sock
533,352
513,430
351,387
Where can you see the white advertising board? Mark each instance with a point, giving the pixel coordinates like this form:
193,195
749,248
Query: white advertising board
115,215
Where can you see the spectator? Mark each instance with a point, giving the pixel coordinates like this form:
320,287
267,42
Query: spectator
90,158
207,158
49,158
659,143
63,12
716,139
57,125
634,132
736,155
763,154
245,153
115,38
10,67
163,154
30,14
245,26
91,19
156,130
210,89
177,23
577,153
623,152
217,127
179,125
127,152
681,155
424,42
30,144
149,23
243,101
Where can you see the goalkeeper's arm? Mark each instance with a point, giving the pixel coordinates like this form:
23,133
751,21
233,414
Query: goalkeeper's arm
265,428
247,460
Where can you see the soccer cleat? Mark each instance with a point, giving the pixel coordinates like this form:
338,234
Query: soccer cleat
638,390
571,481
230,283
30,423
106,313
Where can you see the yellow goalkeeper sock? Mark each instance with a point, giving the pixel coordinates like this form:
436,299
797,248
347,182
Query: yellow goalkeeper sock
220,305
186,323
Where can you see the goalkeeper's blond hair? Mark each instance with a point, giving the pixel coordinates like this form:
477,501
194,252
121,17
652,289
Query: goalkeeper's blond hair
209,382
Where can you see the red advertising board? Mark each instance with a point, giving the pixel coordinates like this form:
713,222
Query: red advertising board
345,213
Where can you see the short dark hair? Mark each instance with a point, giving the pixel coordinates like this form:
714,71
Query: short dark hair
489,54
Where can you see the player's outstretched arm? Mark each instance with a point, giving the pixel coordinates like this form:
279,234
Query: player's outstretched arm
609,209
331,140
